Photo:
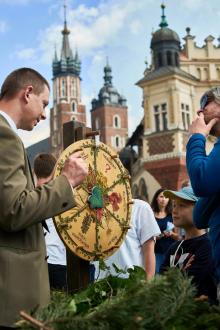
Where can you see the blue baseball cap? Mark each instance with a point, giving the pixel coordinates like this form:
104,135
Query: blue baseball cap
185,193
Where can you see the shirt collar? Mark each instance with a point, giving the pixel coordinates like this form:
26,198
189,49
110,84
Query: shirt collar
9,120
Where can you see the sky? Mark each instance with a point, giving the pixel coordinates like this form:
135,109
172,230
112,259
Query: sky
118,29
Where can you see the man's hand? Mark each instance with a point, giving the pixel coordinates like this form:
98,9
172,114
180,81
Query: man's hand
75,169
199,126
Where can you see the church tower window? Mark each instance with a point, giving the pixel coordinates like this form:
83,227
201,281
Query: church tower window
73,88
117,141
116,121
169,58
63,88
185,116
74,107
160,117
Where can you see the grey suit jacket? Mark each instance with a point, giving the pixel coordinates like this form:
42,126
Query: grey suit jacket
24,281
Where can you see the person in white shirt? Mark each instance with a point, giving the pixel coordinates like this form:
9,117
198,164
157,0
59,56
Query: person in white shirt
56,252
138,246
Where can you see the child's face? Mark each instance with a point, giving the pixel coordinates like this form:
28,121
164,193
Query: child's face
182,213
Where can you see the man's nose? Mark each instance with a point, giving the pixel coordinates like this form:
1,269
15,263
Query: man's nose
43,115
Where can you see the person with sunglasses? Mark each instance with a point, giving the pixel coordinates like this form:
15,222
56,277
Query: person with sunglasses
204,170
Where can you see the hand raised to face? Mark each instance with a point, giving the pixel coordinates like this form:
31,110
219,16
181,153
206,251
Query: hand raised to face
199,126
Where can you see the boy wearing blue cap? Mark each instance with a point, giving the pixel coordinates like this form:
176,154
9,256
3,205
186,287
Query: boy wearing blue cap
193,254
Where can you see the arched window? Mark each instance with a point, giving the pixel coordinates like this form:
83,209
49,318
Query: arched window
143,190
160,61
116,121
135,191
177,59
169,58
63,88
117,141
97,123
73,87
206,74
199,73
74,107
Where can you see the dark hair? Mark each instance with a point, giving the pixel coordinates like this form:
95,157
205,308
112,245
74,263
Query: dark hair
154,203
44,165
20,79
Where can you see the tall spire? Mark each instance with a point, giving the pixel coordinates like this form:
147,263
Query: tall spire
66,52
107,74
68,63
163,22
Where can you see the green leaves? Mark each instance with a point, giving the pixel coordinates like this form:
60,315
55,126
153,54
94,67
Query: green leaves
166,302
95,200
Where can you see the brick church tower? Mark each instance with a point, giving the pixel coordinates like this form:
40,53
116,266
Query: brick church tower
66,91
109,114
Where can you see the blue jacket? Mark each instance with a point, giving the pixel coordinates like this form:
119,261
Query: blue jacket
204,173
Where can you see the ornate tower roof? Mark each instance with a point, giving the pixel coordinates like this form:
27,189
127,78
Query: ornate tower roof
165,44
68,64
108,94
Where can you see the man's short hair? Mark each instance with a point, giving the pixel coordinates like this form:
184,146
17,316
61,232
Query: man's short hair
44,165
20,79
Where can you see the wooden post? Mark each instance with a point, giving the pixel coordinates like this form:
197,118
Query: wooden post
77,268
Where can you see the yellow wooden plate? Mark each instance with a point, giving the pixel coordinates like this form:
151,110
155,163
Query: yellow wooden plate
96,227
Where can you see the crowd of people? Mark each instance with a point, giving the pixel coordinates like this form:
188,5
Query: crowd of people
179,229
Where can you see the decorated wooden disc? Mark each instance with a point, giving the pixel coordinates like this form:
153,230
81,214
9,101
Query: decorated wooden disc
95,228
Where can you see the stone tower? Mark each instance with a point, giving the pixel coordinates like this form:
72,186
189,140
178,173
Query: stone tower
66,91
109,113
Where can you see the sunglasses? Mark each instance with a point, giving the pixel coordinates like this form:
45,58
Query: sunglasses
209,96
204,101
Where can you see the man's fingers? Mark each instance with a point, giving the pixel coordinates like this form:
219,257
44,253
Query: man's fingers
212,123
200,114
77,154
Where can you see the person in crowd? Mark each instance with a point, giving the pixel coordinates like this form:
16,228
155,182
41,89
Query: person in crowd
203,169
24,282
192,254
56,252
138,246
161,207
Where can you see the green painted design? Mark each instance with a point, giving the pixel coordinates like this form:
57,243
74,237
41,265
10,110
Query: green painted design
95,200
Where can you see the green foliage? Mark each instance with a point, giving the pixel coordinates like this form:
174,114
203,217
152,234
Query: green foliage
166,302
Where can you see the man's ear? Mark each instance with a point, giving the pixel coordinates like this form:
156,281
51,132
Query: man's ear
28,90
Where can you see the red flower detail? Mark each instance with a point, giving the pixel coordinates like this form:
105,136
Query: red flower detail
115,199
99,213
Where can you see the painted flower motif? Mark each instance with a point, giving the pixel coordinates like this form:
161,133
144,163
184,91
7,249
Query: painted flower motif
99,213
115,199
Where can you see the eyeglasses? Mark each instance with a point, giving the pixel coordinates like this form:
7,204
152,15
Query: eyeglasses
204,101
212,95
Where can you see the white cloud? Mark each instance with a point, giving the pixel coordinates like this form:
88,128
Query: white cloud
26,54
195,4
3,27
91,28
135,26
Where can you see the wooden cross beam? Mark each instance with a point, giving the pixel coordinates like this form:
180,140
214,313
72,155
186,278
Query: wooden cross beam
77,268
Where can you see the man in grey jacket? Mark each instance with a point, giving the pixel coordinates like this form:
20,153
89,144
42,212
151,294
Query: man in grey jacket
23,272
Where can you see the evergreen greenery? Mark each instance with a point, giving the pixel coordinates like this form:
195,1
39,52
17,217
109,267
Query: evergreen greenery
166,302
